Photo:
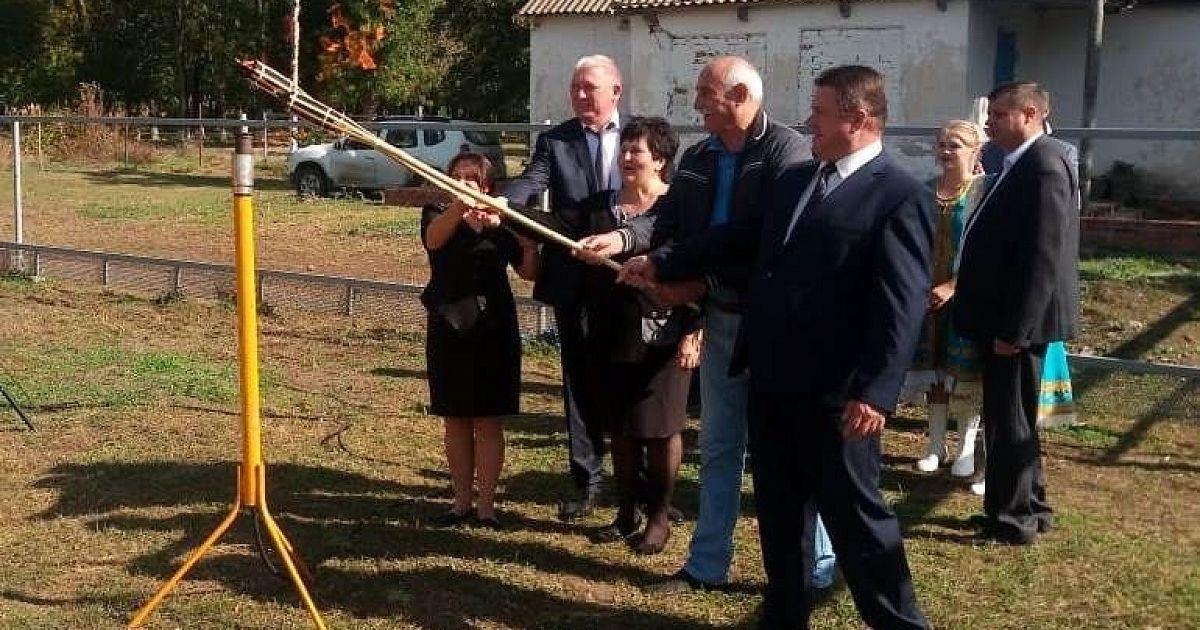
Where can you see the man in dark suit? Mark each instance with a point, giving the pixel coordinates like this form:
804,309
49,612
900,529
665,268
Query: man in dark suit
830,322
574,161
1017,291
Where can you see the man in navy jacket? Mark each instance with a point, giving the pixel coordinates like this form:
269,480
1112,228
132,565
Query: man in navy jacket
1017,291
830,322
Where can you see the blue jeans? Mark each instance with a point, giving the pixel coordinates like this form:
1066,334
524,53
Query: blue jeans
723,401
825,560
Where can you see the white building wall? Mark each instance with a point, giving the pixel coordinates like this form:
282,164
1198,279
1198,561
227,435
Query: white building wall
1149,78
921,50
983,23
1150,73
555,44
926,72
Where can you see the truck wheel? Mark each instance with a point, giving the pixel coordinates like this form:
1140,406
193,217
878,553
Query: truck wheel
311,181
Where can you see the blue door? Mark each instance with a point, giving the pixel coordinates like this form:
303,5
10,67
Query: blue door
1006,56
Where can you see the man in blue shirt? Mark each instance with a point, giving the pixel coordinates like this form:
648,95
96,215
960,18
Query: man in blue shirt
720,179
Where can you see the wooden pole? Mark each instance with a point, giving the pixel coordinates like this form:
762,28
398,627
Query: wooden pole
305,106
292,144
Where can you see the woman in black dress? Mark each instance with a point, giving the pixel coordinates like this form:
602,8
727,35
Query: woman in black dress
640,357
472,348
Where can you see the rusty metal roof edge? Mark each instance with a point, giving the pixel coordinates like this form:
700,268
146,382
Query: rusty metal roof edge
536,8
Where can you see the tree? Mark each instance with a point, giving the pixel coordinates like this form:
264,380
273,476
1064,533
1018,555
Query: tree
490,77
406,59
469,57
35,68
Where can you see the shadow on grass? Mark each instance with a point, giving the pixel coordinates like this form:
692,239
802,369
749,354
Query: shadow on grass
442,599
330,516
922,494
1166,462
549,489
527,387
925,493
1141,428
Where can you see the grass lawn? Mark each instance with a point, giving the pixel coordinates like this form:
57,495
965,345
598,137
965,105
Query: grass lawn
134,458
175,209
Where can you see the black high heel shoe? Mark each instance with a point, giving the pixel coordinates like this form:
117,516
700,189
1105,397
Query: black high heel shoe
453,519
613,532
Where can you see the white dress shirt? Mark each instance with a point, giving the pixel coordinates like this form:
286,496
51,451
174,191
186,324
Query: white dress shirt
845,168
609,141
1009,161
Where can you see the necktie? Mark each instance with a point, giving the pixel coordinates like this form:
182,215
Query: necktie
822,186
818,194
601,183
599,165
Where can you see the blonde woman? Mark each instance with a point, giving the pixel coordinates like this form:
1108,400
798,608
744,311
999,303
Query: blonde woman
945,365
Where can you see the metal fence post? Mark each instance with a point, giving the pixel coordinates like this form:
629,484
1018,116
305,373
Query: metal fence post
349,310
200,146
18,214
178,280
41,154
264,134
104,272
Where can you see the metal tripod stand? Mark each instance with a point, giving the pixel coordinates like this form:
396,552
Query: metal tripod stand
17,408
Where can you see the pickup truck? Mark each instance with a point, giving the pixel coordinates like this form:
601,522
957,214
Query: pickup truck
317,170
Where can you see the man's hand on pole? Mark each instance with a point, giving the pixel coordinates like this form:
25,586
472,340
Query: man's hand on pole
638,272
677,293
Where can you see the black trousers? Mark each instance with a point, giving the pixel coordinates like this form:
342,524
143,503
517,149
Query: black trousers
1015,501
585,431
802,465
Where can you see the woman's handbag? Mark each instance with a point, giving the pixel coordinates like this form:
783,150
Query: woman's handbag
462,314
662,327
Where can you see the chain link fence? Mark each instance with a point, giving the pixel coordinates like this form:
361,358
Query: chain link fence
165,280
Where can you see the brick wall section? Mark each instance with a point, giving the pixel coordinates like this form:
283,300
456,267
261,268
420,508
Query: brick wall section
1167,237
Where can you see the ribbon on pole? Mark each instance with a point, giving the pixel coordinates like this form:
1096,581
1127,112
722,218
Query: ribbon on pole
310,109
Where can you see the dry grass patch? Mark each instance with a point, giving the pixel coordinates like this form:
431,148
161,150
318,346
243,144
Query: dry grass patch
133,464
134,459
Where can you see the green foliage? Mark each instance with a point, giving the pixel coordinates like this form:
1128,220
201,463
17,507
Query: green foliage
39,54
110,376
208,211
175,58
411,59
490,80
17,283
1131,267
